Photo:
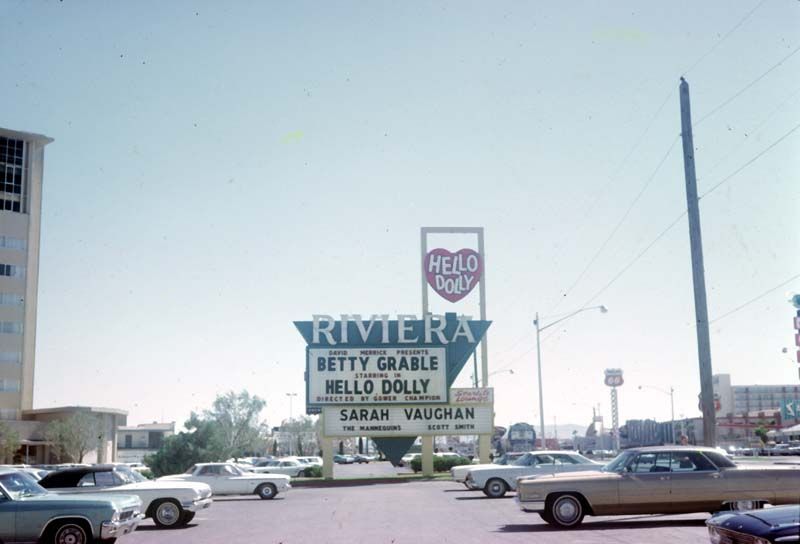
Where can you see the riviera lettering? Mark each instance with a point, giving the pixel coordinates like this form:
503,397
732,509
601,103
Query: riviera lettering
433,325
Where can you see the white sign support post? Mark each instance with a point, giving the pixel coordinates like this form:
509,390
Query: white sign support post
485,440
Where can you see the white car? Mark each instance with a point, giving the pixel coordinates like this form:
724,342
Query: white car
496,480
170,504
405,461
313,461
289,467
459,473
228,479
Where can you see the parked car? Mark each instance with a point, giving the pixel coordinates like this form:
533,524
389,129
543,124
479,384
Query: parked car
773,525
405,461
658,480
359,458
343,459
496,480
228,479
29,513
313,461
459,473
289,467
170,504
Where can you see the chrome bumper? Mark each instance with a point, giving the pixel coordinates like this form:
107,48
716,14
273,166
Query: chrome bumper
199,504
115,529
530,506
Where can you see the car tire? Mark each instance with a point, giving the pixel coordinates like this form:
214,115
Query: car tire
187,517
546,517
495,488
266,491
69,532
168,514
565,511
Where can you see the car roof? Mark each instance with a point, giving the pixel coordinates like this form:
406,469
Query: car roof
673,448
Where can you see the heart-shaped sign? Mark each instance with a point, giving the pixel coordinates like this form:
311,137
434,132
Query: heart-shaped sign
453,275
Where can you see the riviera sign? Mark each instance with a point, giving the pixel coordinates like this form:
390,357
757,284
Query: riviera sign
471,415
356,361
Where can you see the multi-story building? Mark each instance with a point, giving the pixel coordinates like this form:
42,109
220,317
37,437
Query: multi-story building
740,400
135,442
21,165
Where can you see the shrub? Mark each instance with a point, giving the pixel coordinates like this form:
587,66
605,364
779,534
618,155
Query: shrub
440,464
313,472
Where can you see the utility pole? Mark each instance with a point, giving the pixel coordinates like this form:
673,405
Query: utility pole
698,273
541,393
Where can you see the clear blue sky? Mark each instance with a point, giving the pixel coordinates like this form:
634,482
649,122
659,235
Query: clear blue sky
223,168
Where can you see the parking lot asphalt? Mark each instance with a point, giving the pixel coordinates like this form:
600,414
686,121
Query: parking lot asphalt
409,513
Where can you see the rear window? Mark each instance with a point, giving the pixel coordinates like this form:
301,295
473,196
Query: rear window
720,460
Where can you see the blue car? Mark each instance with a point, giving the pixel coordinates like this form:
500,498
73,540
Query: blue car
765,526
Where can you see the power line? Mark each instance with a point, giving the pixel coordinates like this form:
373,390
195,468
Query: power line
748,163
753,131
725,37
611,180
677,219
624,217
745,88
756,299
635,259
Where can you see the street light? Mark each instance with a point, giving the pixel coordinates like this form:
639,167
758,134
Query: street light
539,329
509,370
671,394
290,395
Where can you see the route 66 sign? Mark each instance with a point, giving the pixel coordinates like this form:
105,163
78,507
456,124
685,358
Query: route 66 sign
614,377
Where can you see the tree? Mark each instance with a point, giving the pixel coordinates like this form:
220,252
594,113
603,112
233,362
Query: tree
9,442
75,436
198,444
302,430
231,428
237,419
761,432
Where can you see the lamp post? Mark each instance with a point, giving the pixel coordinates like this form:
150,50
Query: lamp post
671,394
509,370
290,395
539,329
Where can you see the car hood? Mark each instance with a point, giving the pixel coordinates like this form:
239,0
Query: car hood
779,515
120,501
247,476
155,485
584,475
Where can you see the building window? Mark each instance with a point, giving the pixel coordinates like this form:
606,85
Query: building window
11,327
12,270
11,357
8,413
12,173
11,299
9,386
128,441
8,242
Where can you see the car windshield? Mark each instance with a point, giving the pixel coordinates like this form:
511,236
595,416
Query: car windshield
129,476
20,484
191,469
619,462
525,461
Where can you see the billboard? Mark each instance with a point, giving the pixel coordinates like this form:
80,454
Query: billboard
377,375
470,412
453,275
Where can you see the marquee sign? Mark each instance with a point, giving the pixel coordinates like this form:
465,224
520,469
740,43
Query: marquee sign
453,275
390,375
378,361
470,412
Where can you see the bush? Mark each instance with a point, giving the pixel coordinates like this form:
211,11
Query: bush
313,472
147,474
440,464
